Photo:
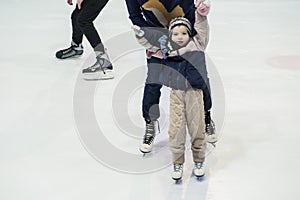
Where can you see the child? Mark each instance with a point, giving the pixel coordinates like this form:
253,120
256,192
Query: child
189,83
187,76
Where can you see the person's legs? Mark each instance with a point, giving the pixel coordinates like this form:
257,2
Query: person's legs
209,123
89,11
77,34
196,128
207,97
102,68
177,131
76,48
151,102
152,90
196,123
177,127
150,107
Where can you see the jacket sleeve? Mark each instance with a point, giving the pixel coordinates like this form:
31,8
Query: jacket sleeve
135,13
190,12
151,37
145,43
153,34
202,28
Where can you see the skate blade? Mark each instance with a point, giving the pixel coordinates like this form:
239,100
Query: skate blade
212,141
177,180
214,144
145,151
99,75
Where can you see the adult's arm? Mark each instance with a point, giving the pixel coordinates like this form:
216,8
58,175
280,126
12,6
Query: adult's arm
135,13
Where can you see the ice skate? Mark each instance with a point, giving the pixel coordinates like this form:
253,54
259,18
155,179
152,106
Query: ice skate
199,170
177,171
210,129
101,70
150,133
211,135
73,51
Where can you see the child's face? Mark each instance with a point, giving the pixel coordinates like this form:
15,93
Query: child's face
180,35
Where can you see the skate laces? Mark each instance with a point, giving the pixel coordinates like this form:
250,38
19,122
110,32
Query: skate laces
177,167
101,64
95,66
150,133
198,165
210,127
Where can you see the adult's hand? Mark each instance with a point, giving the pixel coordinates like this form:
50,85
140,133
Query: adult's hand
70,2
138,31
203,7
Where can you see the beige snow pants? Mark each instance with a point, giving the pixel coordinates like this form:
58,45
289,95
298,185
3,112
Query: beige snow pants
187,113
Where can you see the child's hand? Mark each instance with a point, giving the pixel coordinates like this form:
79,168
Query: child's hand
203,7
138,31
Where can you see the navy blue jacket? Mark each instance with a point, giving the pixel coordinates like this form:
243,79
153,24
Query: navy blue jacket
187,71
181,72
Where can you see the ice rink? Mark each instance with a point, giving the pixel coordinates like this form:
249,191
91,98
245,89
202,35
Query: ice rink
64,138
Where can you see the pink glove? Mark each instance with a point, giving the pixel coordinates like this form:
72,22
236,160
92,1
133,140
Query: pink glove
203,7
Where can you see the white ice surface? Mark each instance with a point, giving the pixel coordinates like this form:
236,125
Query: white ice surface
255,47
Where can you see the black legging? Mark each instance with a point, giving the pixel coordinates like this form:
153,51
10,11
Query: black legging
82,23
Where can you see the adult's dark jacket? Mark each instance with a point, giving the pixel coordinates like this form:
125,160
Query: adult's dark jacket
159,13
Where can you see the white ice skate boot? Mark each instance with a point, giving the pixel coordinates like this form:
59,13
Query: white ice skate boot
199,170
177,171
101,70
151,130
